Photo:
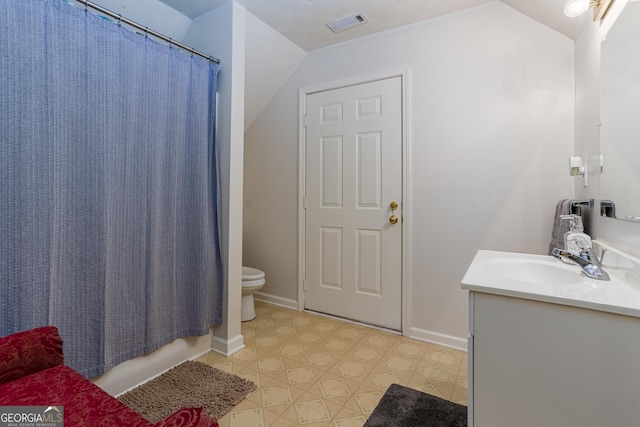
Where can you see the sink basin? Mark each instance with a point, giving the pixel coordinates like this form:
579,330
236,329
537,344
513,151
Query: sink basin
535,271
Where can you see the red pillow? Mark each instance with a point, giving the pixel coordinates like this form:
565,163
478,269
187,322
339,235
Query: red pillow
26,352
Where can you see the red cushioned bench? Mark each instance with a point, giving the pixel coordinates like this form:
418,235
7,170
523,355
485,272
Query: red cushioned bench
32,373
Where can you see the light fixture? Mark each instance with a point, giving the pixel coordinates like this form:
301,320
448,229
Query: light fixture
575,8
576,167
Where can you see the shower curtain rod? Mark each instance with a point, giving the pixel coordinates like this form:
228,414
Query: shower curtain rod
146,30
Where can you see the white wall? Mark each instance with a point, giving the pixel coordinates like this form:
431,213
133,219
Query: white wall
153,14
490,129
221,33
266,69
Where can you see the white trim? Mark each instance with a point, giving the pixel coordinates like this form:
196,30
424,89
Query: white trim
407,314
227,347
438,338
302,174
134,372
612,14
276,300
404,75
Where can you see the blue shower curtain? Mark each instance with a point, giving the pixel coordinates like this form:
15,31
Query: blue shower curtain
108,187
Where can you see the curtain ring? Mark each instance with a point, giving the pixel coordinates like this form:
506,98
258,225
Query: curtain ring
119,19
146,32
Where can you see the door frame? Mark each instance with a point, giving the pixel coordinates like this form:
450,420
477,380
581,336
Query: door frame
405,82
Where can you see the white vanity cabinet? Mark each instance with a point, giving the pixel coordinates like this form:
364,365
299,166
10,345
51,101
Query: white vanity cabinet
544,360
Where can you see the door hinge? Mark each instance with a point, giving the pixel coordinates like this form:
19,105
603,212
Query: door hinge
306,120
304,203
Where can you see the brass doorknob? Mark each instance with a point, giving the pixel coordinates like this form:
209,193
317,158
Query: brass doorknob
393,219
393,205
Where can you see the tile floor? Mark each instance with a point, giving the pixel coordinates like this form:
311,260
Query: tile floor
313,370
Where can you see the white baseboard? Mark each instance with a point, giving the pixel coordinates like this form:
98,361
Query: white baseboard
227,347
134,372
276,300
438,338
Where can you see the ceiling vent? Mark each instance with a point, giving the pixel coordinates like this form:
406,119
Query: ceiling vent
347,22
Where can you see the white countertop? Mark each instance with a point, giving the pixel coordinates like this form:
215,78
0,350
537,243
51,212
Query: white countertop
613,296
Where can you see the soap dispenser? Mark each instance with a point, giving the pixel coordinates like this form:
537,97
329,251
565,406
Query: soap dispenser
575,240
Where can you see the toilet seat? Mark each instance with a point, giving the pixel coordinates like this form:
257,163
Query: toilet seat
252,281
252,277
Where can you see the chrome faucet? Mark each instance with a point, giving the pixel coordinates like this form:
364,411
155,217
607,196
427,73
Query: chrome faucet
588,260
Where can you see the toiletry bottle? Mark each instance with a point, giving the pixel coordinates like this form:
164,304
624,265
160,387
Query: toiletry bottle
575,240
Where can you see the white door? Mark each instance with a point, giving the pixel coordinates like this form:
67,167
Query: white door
353,167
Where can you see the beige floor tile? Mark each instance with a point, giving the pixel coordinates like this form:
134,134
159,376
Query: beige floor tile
270,417
271,364
366,353
245,355
276,378
288,418
350,333
430,389
267,341
224,366
378,340
367,385
451,370
443,358
313,392
312,411
246,366
351,369
263,324
357,421
291,350
368,401
300,375
460,393
272,396
336,345
310,337
251,417
445,388
403,377
399,363
249,374
224,421
349,410
435,374
334,388
320,359
336,404
383,381
302,394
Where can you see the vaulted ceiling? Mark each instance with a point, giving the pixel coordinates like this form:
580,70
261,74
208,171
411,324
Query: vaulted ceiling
304,21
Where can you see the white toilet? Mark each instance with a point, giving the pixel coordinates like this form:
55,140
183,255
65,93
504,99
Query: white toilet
252,280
